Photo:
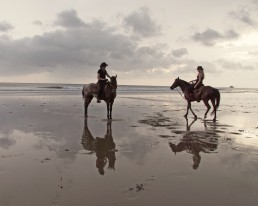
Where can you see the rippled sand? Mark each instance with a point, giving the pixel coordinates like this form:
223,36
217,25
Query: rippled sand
149,154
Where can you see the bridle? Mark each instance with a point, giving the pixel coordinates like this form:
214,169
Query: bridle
180,92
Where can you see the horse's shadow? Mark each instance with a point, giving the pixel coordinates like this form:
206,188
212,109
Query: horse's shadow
104,148
195,142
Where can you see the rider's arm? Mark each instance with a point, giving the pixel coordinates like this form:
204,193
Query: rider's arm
108,75
193,81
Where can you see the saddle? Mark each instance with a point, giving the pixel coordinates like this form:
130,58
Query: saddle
195,95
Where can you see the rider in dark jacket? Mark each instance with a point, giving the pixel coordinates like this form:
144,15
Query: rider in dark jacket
102,73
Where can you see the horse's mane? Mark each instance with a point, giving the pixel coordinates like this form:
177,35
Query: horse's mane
185,82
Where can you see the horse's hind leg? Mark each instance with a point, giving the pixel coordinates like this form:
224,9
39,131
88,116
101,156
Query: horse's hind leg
109,109
208,108
214,109
87,101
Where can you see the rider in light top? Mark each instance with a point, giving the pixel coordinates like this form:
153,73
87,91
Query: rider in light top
197,83
200,78
102,73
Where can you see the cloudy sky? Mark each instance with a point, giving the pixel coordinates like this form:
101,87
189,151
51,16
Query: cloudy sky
144,42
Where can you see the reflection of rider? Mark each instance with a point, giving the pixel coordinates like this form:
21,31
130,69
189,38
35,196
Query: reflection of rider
102,73
190,146
103,147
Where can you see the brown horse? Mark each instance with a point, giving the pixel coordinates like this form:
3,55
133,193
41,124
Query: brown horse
205,93
91,90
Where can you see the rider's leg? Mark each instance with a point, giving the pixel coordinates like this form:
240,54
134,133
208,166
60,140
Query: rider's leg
101,89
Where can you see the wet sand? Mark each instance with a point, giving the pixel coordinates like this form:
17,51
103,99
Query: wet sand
147,155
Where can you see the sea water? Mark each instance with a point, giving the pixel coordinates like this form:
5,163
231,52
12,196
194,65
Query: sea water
75,88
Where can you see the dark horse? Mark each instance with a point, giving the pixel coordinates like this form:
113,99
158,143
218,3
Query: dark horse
205,93
91,90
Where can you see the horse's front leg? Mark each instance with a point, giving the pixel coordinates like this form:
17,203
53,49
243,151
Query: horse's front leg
108,110
195,116
188,106
87,101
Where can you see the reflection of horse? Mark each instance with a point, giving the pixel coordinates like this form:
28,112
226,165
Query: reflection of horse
103,147
205,93
194,143
91,90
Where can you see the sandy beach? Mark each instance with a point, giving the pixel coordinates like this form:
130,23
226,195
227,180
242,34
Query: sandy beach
149,154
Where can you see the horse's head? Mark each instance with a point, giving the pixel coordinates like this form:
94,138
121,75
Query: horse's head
175,84
113,81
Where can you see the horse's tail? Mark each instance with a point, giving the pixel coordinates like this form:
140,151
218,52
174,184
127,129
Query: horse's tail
217,99
83,91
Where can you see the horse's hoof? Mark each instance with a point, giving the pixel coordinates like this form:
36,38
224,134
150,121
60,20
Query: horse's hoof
214,120
195,117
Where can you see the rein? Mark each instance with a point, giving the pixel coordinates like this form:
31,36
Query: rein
180,94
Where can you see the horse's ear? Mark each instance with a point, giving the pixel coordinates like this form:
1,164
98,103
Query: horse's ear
116,75
177,77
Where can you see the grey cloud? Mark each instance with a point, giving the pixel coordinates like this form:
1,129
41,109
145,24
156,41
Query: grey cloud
234,65
38,23
142,24
210,37
179,52
231,34
61,50
69,19
243,15
6,142
77,49
254,52
190,66
4,26
255,1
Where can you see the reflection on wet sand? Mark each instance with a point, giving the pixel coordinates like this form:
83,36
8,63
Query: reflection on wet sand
104,148
196,142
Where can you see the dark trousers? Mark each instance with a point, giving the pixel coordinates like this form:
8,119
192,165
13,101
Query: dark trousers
101,84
